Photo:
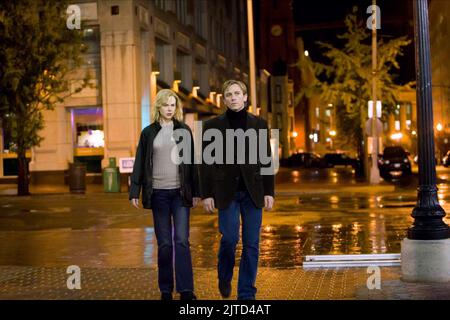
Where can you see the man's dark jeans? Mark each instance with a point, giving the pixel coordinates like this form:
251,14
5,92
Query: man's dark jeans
229,223
166,205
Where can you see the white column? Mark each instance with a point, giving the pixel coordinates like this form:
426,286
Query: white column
121,80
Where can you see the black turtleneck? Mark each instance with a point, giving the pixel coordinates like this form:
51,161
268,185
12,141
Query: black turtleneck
238,120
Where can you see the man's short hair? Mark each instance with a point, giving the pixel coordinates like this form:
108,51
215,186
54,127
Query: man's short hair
229,83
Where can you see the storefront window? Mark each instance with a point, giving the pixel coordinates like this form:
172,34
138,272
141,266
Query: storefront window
87,125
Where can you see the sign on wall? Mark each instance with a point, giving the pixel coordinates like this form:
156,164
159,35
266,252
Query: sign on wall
126,165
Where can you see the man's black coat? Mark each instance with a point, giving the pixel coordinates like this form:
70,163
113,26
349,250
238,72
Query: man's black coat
141,178
220,181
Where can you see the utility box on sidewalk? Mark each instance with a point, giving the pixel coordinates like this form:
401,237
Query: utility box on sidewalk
126,168
111,177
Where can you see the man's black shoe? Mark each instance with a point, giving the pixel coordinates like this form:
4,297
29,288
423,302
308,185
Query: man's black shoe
166,296
225,288
187,295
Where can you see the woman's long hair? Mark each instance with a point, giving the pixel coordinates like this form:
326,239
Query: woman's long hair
161,98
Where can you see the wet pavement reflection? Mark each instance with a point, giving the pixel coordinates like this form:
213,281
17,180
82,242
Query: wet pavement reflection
103,230
341,175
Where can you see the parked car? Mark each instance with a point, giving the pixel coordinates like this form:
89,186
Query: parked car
394,161
338,159
446,160
303,159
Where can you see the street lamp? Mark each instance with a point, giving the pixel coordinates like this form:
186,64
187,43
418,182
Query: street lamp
428,213
374,171
426,251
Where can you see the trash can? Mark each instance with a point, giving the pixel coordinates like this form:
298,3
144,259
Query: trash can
77,177
111,177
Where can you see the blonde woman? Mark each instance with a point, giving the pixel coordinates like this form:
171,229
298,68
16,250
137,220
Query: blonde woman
170,190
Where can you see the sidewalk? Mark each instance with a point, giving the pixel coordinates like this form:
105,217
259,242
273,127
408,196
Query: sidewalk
281,189
18,282
60,219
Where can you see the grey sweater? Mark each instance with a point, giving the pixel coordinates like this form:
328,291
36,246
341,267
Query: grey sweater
165,171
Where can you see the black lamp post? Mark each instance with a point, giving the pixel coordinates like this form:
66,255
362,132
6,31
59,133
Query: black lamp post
428,214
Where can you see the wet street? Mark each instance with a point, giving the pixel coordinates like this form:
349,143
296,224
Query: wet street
316,212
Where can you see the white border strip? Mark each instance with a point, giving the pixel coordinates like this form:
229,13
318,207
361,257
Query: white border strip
352,260
353,257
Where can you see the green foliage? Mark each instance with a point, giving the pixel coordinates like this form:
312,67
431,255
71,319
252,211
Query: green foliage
346,81
38,55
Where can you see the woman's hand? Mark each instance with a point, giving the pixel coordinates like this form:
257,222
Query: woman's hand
268,202
135,203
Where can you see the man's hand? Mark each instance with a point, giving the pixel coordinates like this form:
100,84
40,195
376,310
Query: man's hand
208,205
268,202
196,201
135,203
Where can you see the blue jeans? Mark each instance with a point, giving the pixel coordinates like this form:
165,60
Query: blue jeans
167,205
229,223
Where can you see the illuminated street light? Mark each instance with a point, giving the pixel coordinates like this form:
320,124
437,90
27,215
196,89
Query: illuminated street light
306,53
175,85
439,127
316,137
195,91
211,96
370,109
153,89
397,136
414,132
218,96
294,134
333,133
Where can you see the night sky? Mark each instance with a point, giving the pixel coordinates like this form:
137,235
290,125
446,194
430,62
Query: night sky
315,15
